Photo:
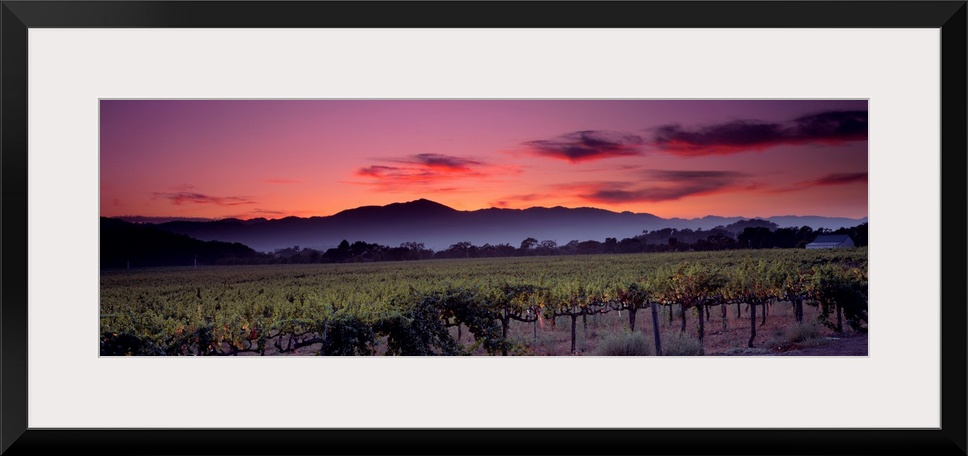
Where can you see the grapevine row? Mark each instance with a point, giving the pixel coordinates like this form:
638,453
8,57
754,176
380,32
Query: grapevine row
346,310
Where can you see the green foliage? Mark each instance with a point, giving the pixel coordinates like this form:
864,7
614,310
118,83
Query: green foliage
833,285
630,296
347,336
466,307
752,281
418,331
481,320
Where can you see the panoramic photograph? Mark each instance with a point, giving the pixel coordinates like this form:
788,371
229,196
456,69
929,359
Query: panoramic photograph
483,227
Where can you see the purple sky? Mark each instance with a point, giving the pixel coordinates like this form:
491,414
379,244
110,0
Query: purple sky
672,158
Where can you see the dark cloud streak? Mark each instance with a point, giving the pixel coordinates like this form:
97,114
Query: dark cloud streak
831,127
587,145
666,185
179,198
823,181
441,161
840,179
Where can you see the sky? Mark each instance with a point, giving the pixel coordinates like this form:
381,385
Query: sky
672,158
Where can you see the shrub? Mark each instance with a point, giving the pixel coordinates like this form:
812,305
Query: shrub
680,344
624,344
800,333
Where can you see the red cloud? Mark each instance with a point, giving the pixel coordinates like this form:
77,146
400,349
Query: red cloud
506,201
426,170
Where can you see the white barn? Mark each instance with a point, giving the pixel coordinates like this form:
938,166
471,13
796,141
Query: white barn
831,241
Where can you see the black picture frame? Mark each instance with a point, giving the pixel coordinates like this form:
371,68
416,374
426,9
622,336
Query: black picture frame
17,16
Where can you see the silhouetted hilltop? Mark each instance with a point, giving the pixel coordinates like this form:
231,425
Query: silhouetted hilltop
125,245
420,209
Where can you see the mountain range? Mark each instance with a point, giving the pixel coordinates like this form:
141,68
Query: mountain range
438,226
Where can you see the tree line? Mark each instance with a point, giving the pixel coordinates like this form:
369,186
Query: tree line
664,240
127,245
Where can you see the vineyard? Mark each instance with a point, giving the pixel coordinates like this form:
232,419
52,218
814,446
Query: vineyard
655,303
